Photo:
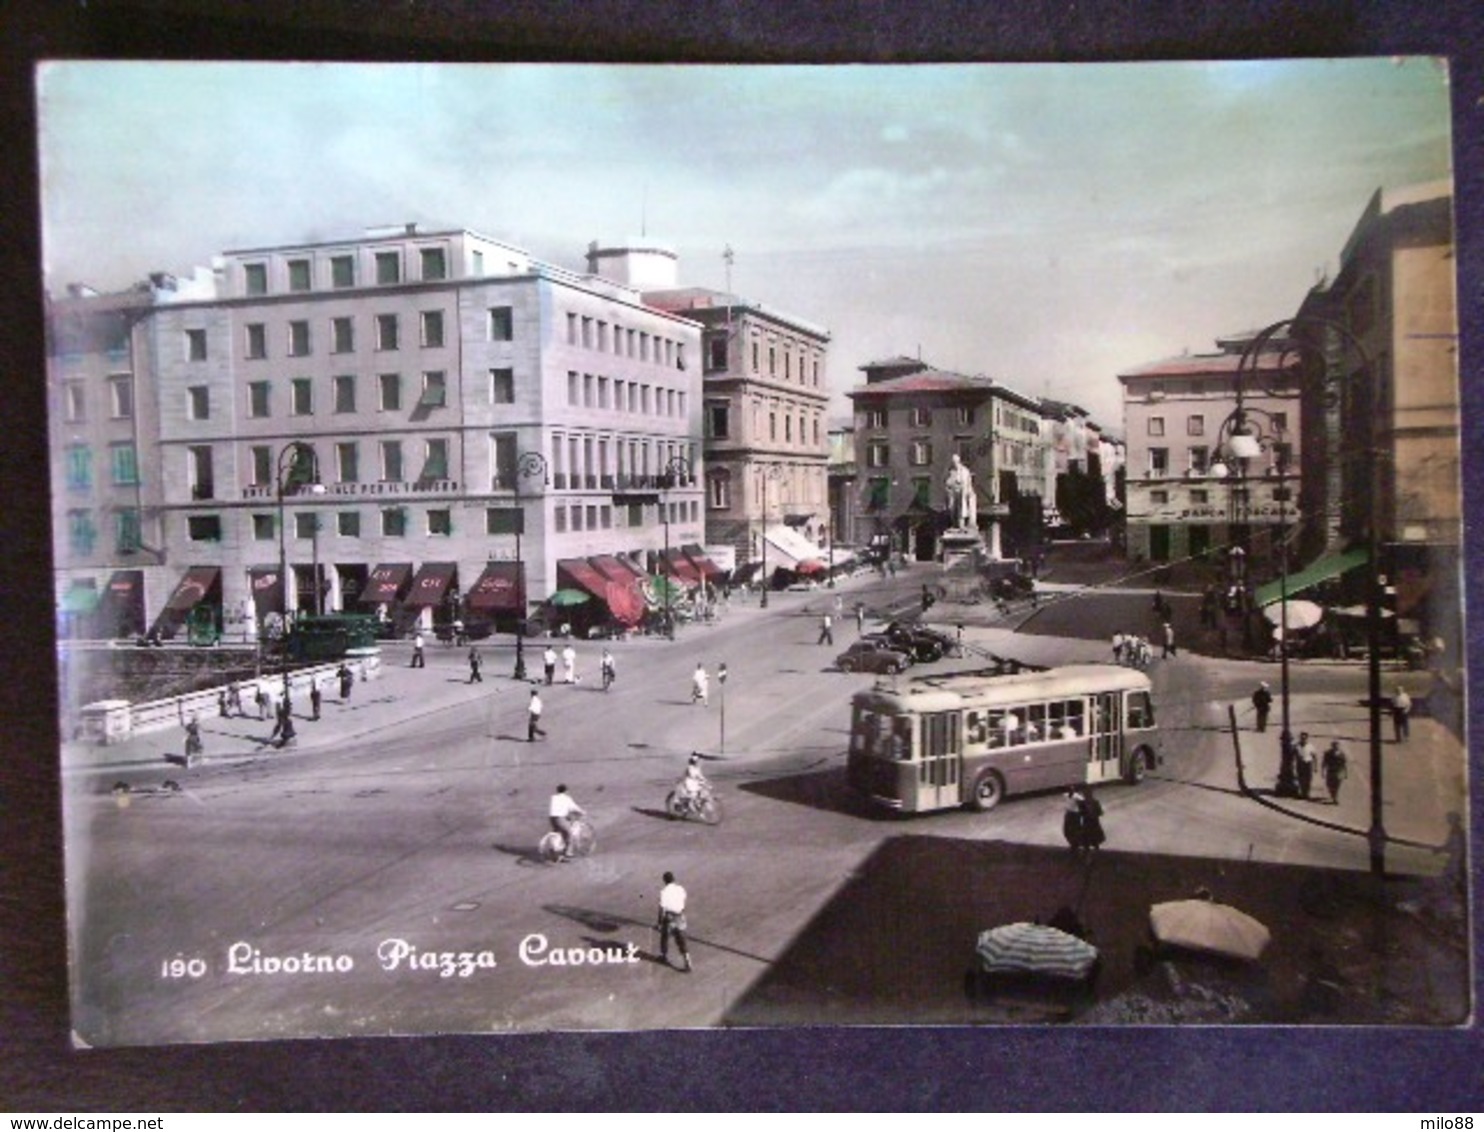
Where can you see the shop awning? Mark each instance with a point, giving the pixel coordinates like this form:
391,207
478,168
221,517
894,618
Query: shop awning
579,573
1331,566
615,569
431,583
680,566
497,590
81,598
787,548
708,569
386,582
810,566
193,587
267,589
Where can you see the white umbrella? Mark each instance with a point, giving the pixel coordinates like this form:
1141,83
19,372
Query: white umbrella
1205,925
1034,949
1295,614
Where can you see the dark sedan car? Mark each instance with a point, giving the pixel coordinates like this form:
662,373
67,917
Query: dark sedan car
867,655
923,644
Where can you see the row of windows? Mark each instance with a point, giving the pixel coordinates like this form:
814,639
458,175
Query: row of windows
346,395
120,398
1195,424
602,462
1239,496
340,271
590,391
396,522
123,463
782,360
919,417
1198,459
623,341
82,531
386,334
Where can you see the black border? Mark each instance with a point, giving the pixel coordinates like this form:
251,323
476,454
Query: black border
924,1069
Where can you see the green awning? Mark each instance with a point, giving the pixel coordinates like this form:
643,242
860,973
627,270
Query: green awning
80,599
1330,566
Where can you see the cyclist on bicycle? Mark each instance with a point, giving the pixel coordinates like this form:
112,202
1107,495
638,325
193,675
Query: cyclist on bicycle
562,810
694,785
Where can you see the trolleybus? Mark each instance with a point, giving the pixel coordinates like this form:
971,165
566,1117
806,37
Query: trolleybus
975,738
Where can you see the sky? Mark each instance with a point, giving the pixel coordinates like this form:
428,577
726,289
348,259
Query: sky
1045,225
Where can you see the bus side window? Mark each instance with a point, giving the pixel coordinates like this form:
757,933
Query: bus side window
1014,725
901,738
1070,714
995,721
975,733
1140,710
1035,723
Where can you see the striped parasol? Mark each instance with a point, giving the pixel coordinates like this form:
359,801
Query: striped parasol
1034,949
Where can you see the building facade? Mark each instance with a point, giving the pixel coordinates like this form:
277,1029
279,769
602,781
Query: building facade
396,417
1176,420
764,419
910,419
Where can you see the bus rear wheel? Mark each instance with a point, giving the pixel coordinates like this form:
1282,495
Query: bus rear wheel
989,791
1138,766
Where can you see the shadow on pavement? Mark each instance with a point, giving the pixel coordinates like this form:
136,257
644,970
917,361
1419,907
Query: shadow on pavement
819,790
896,943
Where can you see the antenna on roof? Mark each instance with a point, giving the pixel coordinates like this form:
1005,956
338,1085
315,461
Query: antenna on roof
727,256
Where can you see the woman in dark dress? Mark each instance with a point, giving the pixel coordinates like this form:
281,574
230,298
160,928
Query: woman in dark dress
1071,822
1092,821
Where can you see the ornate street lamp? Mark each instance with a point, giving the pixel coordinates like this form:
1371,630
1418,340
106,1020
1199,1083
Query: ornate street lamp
677,474
1305,359
298,473
526,464
767,472
1243,436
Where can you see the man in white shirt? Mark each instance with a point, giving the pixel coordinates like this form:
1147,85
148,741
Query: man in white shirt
700,686
562,810
672,921
569,664
533,717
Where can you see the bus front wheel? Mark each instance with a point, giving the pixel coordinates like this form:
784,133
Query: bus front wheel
989,791
1138,765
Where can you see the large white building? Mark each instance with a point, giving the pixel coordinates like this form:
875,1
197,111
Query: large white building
453,391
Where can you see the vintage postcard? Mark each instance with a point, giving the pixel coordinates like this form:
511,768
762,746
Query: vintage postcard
547,547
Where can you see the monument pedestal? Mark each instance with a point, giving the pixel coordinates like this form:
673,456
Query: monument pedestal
961,544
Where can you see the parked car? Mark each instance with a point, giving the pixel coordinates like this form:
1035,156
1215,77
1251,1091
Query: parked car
923,644
872,655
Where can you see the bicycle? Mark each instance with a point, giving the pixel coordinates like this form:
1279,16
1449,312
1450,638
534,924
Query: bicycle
553,846
704,806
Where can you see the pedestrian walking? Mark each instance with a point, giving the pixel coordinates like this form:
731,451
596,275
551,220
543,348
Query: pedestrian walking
700,685
1169,649
475,660
1262,704
607,669
826,630
1071,820
569,664
1091,813
548,662
234,699
671,922
283,730
347,681
1119,643
459,639
533,717
1308,762
860,618
1401,714
1335,767
418,661
260,697
193,745
316,697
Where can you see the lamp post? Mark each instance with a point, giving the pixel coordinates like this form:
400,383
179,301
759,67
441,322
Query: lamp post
526,464
1309,360
721,683
767,472
298,467
1244,441
677,472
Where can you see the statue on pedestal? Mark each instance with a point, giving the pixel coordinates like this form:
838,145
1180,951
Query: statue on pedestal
963,507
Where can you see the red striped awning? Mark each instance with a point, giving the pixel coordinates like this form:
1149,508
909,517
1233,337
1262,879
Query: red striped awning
708,569
431,583
497,590
680,566
386,582
193,587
